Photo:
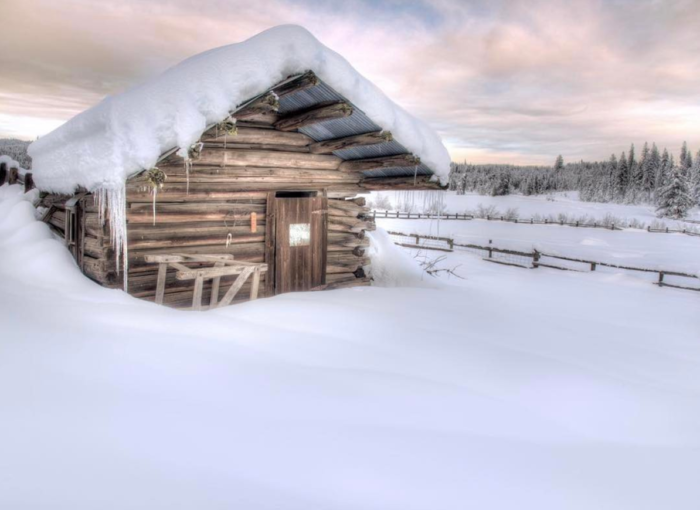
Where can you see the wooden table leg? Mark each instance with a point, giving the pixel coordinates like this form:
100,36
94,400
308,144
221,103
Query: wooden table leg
256,284
216,282
160,287
197,296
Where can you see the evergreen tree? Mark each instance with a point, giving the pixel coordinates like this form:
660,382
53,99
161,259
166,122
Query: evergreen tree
621,177
674,198
695,179
684,156
559,163
653,169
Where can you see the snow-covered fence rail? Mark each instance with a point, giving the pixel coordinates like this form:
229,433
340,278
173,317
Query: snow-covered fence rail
534,259
12,175
398,215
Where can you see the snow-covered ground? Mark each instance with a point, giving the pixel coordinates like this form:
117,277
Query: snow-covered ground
508,389
544,205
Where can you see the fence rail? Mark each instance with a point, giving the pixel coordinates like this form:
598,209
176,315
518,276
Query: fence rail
531,259
398,215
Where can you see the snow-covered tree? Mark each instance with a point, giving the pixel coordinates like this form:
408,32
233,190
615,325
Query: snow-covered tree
559,163
674,199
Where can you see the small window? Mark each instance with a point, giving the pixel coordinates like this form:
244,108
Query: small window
296,194
299,234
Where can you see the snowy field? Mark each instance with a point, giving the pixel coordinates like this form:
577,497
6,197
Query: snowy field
544,205
632,247
507,389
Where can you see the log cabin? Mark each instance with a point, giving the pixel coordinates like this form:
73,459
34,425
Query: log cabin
269,190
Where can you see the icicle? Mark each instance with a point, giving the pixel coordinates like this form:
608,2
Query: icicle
156,178
111,206
155,192
188,164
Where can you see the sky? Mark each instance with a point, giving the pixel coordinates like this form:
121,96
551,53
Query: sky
502,81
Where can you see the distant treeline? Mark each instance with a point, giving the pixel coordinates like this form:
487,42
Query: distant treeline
17,150
653,177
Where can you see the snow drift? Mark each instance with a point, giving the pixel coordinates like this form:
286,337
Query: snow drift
126,133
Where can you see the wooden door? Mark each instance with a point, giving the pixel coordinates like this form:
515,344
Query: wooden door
300,236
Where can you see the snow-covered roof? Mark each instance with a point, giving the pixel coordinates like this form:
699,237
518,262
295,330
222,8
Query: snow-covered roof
126,133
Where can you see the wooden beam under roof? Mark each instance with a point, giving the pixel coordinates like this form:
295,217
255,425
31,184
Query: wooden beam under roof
362,165
313,116
302,82
349,142
419,182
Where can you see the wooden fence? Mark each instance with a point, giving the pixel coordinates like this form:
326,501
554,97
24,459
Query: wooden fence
456,216
532,259
12,175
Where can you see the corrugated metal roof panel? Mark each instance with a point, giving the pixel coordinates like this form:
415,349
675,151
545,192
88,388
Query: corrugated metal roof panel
392,148
356,124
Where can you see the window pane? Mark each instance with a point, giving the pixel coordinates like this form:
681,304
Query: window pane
299,234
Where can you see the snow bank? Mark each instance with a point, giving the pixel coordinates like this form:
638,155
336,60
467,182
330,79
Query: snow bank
394,267
127,133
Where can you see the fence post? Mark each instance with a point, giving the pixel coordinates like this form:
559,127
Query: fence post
451,243
661,278
397,214
648,228
593,264
535,259
374,214
490,249
386,214
28,182
14,175
667,230
612,226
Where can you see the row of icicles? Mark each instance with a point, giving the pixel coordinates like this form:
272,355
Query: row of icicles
111,202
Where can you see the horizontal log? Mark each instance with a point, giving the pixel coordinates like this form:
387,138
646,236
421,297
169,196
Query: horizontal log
250,252
100,270
263,136
183,230
251,158
420,182
347,283
177,217
198,207
176,195
349,142
304,81
363,165
336,223
181,242
97,248
255,147
314,115
265,104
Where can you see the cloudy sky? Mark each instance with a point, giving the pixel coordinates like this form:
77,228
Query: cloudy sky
502,81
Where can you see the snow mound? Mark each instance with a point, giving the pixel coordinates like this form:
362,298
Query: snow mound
394,267
126,133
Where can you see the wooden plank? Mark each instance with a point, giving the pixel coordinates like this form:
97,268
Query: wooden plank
420,182
160,285
251,158
231,293
314,115
256,284
302,82
197,296
362,165
349,142
273,137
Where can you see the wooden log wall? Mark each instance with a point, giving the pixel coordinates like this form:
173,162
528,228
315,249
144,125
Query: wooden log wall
223,206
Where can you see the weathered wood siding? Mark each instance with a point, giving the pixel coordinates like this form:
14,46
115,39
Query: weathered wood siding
234,179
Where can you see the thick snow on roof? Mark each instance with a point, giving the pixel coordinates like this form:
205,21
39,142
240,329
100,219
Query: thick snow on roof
126,133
